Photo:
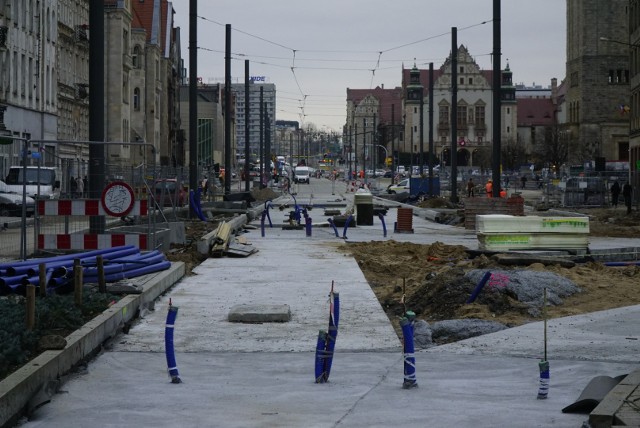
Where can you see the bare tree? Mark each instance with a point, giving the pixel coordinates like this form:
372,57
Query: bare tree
513,154
552,149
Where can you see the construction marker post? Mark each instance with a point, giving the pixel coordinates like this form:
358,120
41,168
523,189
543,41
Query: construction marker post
42,274
172,367
406,323
543,390
307,225
265,214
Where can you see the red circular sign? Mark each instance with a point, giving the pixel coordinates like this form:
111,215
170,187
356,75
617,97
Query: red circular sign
117,199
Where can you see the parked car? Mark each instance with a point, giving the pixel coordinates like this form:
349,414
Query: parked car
169,193
402,186
11,203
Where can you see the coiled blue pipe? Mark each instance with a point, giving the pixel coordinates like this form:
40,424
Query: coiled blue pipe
406,324
172,367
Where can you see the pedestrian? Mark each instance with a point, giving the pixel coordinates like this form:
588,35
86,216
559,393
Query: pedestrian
73,187
489,188
80,187
204,186
523,179
615,193
470,187
626,192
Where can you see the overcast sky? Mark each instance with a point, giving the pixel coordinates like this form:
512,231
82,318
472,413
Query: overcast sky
314,51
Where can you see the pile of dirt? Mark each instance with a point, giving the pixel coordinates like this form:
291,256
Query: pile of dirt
433,281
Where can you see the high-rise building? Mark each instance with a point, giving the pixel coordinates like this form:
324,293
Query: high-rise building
269,109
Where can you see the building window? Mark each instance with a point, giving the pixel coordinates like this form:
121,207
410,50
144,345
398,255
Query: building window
136,99
443,115
471,80
135,59
462,116
462,80
480,116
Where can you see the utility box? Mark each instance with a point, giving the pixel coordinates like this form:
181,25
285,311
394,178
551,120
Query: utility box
363,202
420,186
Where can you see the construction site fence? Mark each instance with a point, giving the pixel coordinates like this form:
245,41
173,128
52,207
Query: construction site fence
163,189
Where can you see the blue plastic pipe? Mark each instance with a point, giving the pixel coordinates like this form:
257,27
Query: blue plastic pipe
157,267
384,226
196,205
93,253
479,287
410,380
332,334
616,264
92,272
33,268
333,225
346,226
321,356
172,367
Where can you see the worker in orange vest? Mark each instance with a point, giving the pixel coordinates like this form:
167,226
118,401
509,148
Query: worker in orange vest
503,193
489,188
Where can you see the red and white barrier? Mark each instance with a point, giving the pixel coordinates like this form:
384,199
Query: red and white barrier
90,241
59,207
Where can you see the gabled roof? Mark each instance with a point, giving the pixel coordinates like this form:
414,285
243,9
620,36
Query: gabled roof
386,97
155,16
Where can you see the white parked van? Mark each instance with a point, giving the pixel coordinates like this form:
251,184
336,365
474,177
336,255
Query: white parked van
39,181
301,174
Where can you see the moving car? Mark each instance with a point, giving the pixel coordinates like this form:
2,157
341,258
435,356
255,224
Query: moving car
402,186
11,203
301,174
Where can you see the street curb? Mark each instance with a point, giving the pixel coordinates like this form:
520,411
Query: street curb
616,408
19,388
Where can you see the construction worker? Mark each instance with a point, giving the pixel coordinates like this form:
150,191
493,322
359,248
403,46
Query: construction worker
503,193
489,188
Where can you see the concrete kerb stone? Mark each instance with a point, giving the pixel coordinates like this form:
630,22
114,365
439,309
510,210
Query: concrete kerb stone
18,389
604,414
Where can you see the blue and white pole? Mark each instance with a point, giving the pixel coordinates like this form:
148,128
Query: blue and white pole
406,323
543,390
